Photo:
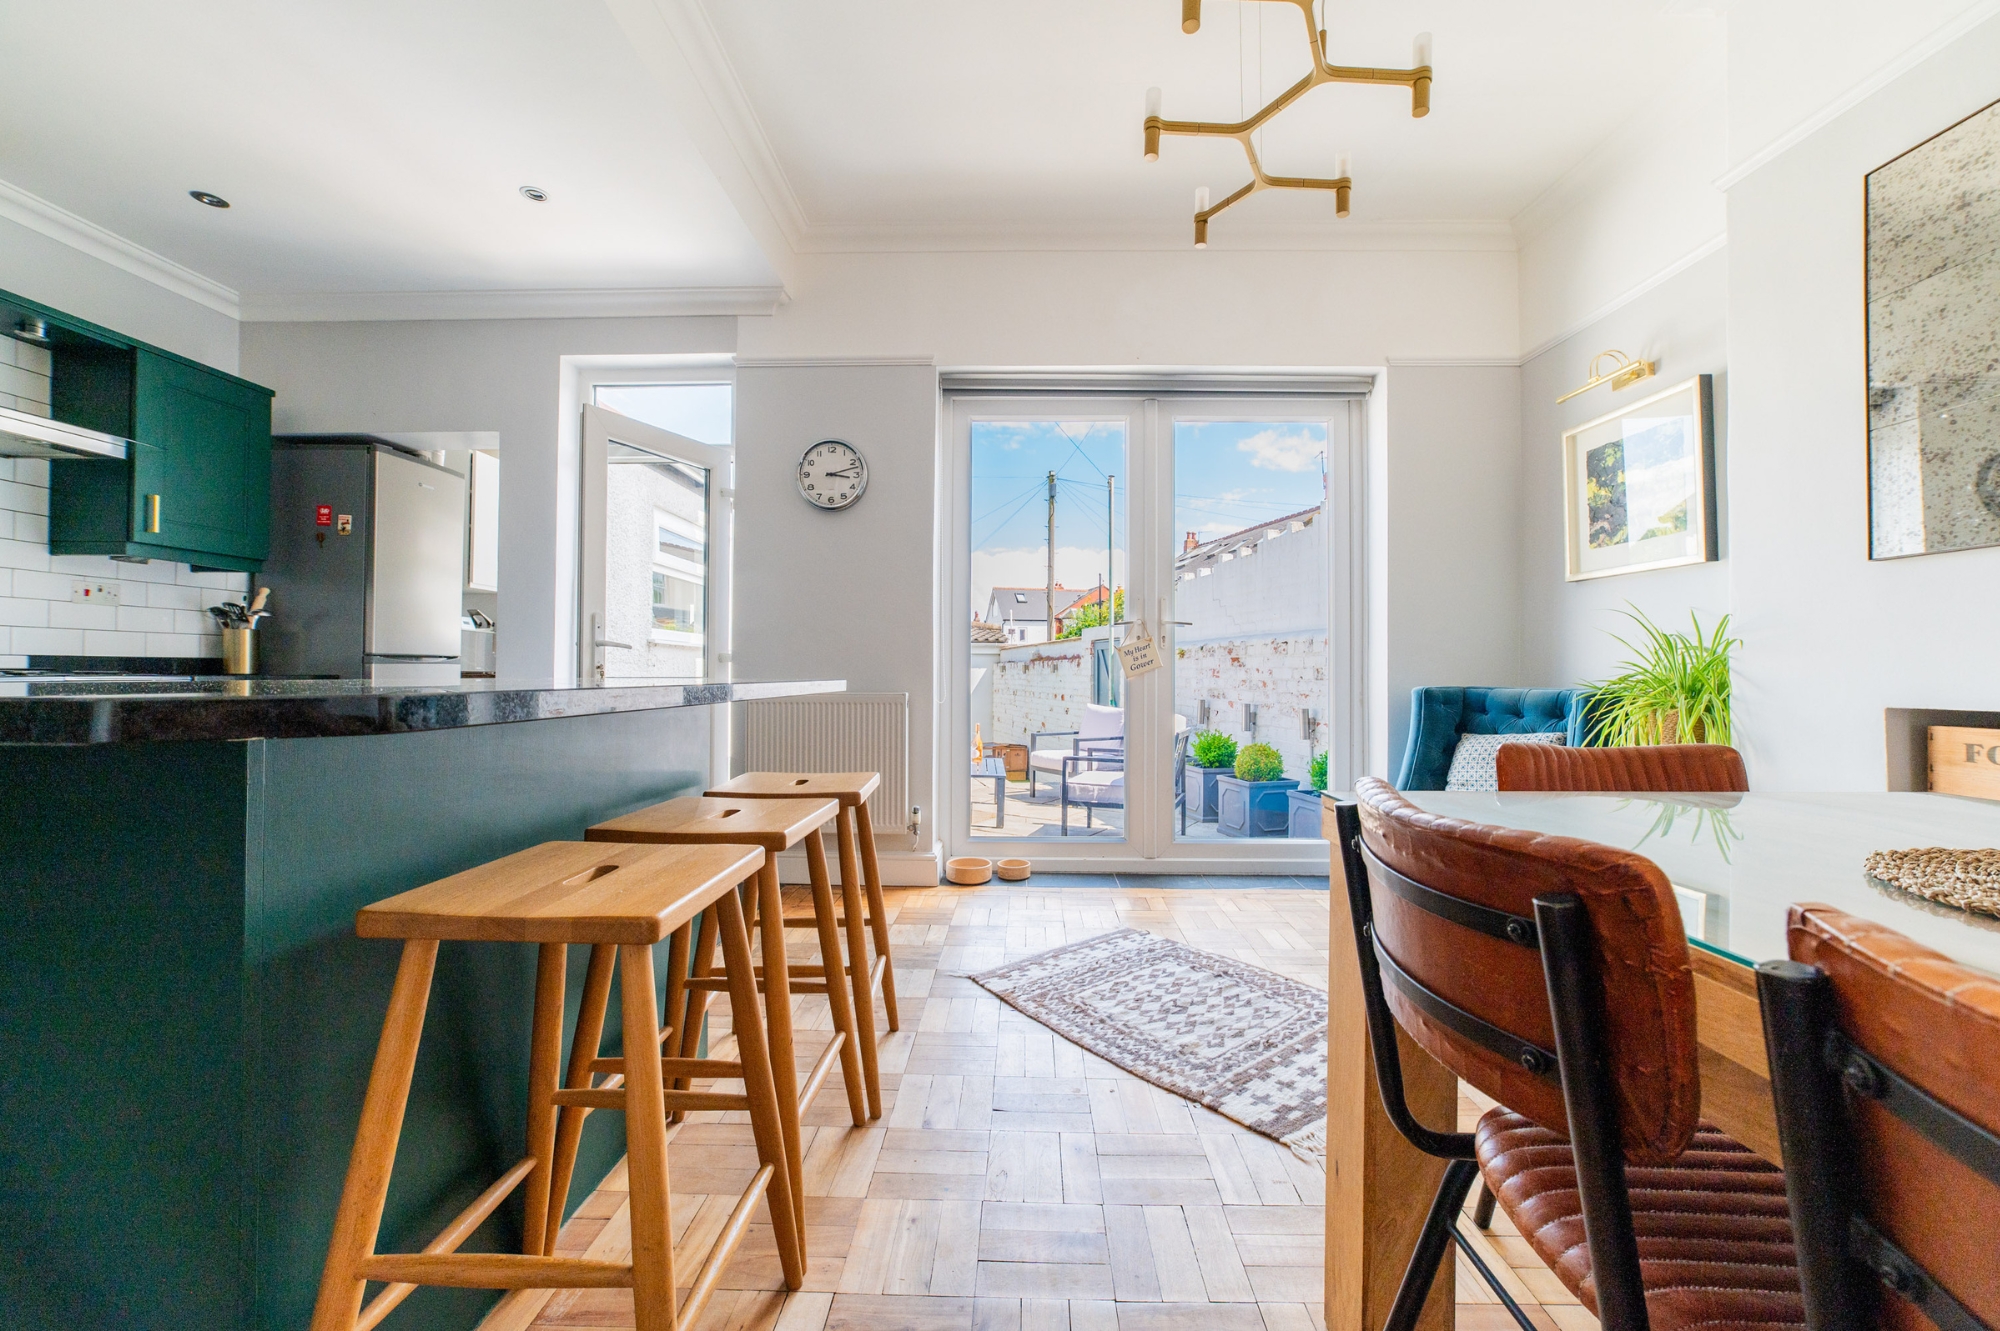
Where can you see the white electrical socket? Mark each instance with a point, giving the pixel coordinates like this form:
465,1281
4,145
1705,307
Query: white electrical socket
89,591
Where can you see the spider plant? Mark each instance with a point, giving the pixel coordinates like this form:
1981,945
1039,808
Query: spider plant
1675,689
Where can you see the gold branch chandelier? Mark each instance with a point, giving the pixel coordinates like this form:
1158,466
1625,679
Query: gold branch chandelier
1417,79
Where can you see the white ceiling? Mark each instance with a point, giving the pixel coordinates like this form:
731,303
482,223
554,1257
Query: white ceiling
378,145
365,145
906,117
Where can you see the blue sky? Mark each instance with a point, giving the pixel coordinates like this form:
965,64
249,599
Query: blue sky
702,412
1227,475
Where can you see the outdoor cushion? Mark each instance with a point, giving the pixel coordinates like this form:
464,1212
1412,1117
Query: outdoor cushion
1472,762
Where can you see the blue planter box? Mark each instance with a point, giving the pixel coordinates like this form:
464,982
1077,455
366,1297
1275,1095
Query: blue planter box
1201,791
1305,815
1253,808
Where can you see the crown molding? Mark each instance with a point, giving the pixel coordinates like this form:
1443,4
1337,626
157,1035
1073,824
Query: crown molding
1456,362
1860,92
1478,234
581,303
65,227
1710,246
812,362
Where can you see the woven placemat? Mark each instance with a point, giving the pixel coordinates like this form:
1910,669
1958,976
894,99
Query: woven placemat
1967,880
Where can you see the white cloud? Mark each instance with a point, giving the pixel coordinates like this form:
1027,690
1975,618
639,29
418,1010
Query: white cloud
1077,567
1277,450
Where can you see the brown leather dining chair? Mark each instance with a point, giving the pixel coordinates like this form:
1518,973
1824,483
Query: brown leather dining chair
1658,768
1553,975
1885,1065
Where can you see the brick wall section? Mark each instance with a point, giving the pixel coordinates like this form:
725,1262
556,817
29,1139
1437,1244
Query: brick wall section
1039,687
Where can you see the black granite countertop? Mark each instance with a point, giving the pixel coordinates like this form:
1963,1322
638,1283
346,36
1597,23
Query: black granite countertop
114,712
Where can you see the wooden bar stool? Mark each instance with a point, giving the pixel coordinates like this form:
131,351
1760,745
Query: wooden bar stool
623,897
772,825
852,790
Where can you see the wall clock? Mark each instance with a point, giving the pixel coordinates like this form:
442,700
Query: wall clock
832,475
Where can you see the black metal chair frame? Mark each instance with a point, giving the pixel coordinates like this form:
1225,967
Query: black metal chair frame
1094,761
1816,1070
1181,740
1559,932
1077,745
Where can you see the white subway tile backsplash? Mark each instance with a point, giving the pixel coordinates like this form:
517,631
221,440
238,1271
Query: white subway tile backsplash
65,614
171,596
18,498
32,471
143,619
40,360
24,612
193,621
177,644
85,566
24,383
50,642
32,528
110,642
42,586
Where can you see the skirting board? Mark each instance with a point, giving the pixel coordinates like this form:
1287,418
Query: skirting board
900,868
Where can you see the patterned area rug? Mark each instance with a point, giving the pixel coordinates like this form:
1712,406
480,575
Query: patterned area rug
1241,1040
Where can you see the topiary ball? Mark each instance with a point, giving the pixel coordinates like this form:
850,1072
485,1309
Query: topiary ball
1259,762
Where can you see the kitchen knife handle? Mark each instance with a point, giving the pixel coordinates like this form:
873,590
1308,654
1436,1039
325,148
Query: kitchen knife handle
153,514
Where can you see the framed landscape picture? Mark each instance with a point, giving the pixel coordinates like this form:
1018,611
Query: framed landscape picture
1639,484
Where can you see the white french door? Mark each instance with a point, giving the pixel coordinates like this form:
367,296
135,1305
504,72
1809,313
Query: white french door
653,563
1206,492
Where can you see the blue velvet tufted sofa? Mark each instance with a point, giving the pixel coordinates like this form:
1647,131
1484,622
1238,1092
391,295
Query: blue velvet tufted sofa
1438,716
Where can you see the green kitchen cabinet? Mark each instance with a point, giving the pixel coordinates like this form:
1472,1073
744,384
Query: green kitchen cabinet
195,486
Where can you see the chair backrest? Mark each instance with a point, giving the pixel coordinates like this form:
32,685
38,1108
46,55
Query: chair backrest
1653,768
1439,715
1885,1065
1454,911
1101,722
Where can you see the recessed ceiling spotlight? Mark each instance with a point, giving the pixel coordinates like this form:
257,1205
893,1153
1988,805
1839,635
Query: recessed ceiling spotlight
212,200
532,194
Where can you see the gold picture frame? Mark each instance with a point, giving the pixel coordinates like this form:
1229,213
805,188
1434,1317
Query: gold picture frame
1639,485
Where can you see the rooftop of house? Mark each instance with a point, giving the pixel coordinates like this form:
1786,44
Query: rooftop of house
1013,604
1197,553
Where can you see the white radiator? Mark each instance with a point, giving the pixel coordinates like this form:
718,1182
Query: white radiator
838,732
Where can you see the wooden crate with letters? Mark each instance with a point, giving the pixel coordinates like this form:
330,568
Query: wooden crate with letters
1965,760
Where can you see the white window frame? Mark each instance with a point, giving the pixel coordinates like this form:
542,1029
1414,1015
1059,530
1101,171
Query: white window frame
1150,845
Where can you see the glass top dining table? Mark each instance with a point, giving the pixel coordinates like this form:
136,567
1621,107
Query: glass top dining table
1738,862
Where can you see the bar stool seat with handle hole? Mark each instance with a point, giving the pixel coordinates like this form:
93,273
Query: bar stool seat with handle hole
1552,974
772,825
852,790
626,898
1885,1068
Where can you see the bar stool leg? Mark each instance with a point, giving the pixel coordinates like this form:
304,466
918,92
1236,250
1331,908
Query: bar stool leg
761,1089
677,1004
837,995
878,912
359,1219
544,1060
778,1028
697,1004
646,1147
857,971
584,1046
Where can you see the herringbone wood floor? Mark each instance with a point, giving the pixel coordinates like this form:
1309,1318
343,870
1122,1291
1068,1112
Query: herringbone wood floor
1015,1181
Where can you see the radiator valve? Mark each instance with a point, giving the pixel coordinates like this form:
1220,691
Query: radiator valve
916,818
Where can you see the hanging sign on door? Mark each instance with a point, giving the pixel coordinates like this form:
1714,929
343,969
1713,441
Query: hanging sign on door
1139,653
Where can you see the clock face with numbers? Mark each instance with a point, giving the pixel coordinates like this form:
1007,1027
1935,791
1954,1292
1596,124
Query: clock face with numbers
832,475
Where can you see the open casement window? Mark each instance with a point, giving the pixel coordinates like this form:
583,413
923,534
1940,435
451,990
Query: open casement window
654,558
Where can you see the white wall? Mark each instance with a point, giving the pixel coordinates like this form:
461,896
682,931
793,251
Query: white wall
1681,324
1450,584
844,595
503,375
65,278
1831,637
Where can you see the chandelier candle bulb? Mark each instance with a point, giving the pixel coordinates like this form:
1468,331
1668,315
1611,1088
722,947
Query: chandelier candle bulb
1190,15
1152,124
1343,171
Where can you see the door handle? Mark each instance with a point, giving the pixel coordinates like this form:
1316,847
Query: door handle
606,642
153,514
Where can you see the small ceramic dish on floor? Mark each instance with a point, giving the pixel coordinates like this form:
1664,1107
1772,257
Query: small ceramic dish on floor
968,871
1013,871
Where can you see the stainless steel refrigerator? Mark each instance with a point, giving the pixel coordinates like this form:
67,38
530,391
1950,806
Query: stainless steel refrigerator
367,565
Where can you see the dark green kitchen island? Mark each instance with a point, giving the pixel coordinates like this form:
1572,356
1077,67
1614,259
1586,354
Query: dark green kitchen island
186,1018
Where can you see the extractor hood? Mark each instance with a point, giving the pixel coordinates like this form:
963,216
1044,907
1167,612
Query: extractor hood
25,436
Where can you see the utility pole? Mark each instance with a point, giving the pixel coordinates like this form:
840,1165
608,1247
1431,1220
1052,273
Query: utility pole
1109,505
1049,603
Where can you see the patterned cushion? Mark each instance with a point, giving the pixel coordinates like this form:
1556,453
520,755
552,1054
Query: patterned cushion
1472,760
